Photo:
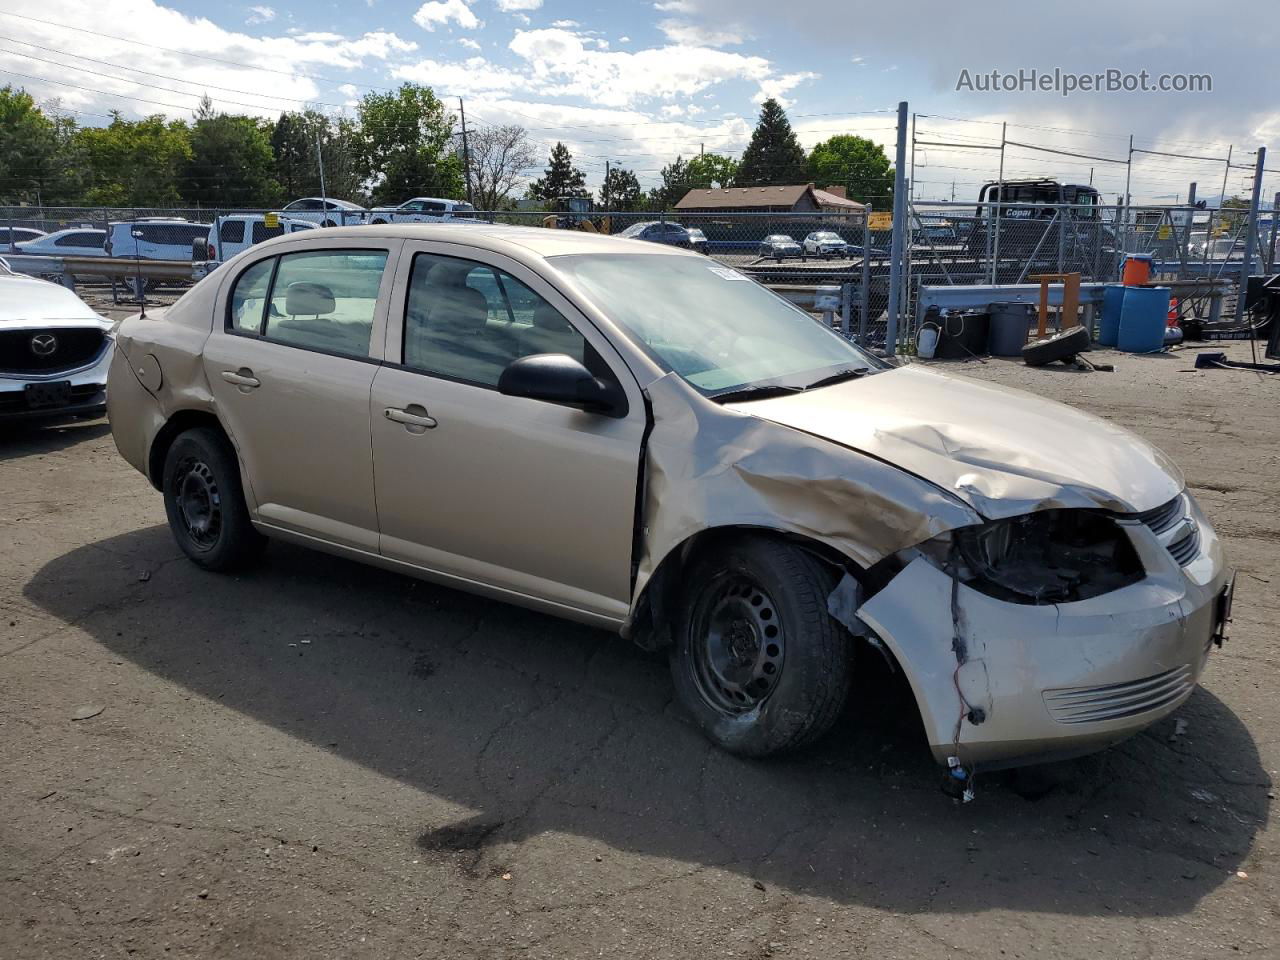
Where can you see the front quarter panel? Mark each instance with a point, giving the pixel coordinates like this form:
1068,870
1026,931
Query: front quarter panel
707,467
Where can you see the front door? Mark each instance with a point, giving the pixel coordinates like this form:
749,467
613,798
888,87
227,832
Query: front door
529,497
290,368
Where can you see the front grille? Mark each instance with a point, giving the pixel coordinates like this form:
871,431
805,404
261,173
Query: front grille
1186,549
1167,522
1164,516
1115,701
32,350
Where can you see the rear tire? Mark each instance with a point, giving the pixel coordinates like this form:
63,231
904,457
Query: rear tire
757,659
204,501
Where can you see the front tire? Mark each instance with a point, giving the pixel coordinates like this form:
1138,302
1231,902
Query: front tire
204,501
757,660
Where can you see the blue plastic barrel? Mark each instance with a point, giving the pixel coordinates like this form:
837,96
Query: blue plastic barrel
1109,323
1144,313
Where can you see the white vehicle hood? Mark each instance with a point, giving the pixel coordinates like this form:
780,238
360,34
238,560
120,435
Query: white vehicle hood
30,302
1005,452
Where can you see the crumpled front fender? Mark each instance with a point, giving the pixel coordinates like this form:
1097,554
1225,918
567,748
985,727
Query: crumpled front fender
708,467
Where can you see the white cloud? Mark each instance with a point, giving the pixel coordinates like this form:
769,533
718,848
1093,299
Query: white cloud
565,24
468,43
259,65
777,86
674,6
624,39
562,64
508,6
260,15
440,12
858,60
695,35
473,76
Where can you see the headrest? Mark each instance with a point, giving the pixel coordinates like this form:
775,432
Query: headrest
306,299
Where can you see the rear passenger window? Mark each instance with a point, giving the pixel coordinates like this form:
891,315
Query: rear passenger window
249,297
326,300
467,321
231,231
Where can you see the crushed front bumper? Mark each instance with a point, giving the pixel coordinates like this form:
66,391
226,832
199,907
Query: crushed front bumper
85,394
1001,684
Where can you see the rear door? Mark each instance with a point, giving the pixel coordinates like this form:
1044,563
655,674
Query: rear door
528,497
290,366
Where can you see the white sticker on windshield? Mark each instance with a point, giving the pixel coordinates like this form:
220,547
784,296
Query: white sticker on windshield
725,273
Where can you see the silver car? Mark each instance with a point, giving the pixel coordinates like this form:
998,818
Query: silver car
629,435
54,351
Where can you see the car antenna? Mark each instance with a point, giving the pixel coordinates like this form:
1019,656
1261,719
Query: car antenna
137,269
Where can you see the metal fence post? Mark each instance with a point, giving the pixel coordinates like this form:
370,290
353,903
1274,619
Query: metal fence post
864,313
846,295
1271,243
899,222
1246,267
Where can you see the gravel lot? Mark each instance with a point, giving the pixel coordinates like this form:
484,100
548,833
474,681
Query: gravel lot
324,760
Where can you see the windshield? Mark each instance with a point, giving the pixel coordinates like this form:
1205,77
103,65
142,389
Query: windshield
717,328
634,230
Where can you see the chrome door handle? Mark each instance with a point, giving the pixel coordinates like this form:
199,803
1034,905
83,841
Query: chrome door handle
241,378
410,416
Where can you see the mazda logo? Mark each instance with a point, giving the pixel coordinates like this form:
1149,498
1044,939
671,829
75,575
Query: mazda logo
44,344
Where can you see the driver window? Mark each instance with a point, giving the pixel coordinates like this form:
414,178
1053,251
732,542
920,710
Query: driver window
466,321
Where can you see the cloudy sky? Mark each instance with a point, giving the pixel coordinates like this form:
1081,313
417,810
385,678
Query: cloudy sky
638,82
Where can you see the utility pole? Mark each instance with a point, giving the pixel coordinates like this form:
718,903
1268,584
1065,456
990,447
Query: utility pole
899,225
1251,234
466,153
604,190
324,197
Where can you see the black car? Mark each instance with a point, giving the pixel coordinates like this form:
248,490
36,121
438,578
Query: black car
659,231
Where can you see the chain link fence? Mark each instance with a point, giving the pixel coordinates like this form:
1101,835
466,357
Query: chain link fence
834,265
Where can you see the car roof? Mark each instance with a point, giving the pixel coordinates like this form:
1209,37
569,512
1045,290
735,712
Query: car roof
542,241
341,203
65,230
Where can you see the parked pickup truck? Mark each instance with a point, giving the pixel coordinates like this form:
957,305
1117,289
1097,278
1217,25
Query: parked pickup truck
424,210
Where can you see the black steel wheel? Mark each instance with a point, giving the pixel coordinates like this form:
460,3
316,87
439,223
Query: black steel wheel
199,501
757,660
738,645
204,501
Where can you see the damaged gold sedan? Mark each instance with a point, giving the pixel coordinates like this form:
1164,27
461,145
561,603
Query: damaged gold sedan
638,438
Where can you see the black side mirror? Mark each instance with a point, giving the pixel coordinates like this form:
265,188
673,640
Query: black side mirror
558,378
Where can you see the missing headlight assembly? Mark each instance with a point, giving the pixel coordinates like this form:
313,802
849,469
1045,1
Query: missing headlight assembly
1054,556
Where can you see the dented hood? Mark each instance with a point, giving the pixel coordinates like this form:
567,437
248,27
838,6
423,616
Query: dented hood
1005,452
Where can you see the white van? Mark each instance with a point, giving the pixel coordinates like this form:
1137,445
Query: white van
239,231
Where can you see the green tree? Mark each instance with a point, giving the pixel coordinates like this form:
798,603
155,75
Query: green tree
857,164
774,155
231,162
711,170
293,151
407,145
134,162
38,161
674,185
561,178
621,190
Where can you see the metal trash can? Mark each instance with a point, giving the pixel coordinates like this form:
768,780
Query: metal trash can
1010,326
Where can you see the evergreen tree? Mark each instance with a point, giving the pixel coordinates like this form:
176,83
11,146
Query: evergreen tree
294,154
561,178
675,184
774,155
621,190
231,162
